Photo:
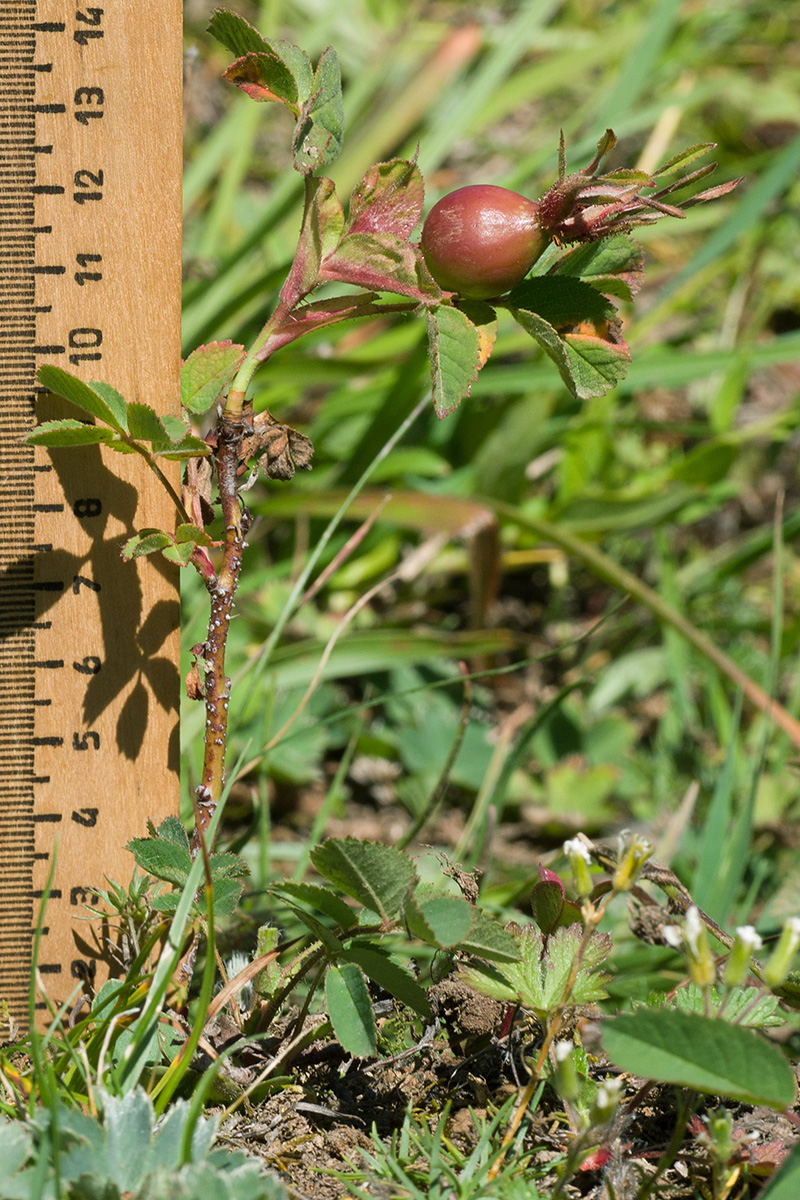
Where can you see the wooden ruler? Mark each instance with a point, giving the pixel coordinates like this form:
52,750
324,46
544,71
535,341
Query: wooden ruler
90,170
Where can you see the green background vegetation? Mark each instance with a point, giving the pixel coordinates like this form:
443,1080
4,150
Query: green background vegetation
681,475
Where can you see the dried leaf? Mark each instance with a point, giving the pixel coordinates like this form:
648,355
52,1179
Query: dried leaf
283,448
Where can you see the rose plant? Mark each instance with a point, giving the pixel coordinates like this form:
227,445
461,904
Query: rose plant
556,264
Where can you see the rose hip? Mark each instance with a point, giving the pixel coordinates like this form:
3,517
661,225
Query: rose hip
482,240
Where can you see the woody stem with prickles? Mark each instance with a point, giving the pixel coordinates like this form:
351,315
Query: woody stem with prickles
222,590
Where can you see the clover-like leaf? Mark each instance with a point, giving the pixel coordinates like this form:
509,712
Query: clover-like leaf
224,865
538,980
376,875
227,894
163,858
172,830
450,922
488,938
442,920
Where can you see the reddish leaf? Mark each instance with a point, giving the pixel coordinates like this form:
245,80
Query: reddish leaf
383,263
264,76
388,199
319,237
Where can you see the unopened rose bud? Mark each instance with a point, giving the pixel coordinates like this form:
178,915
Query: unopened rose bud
780,961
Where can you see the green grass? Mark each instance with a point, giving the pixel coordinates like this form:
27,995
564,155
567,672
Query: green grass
672,478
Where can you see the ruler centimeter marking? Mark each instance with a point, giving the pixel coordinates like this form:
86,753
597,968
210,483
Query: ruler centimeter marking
90,163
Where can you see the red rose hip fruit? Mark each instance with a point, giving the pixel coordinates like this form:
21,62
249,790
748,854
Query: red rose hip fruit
482,240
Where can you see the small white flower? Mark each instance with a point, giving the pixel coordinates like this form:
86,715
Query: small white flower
673,936
749,938
562,1050
780,961
606,1102
609,1092
693,929
576,847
